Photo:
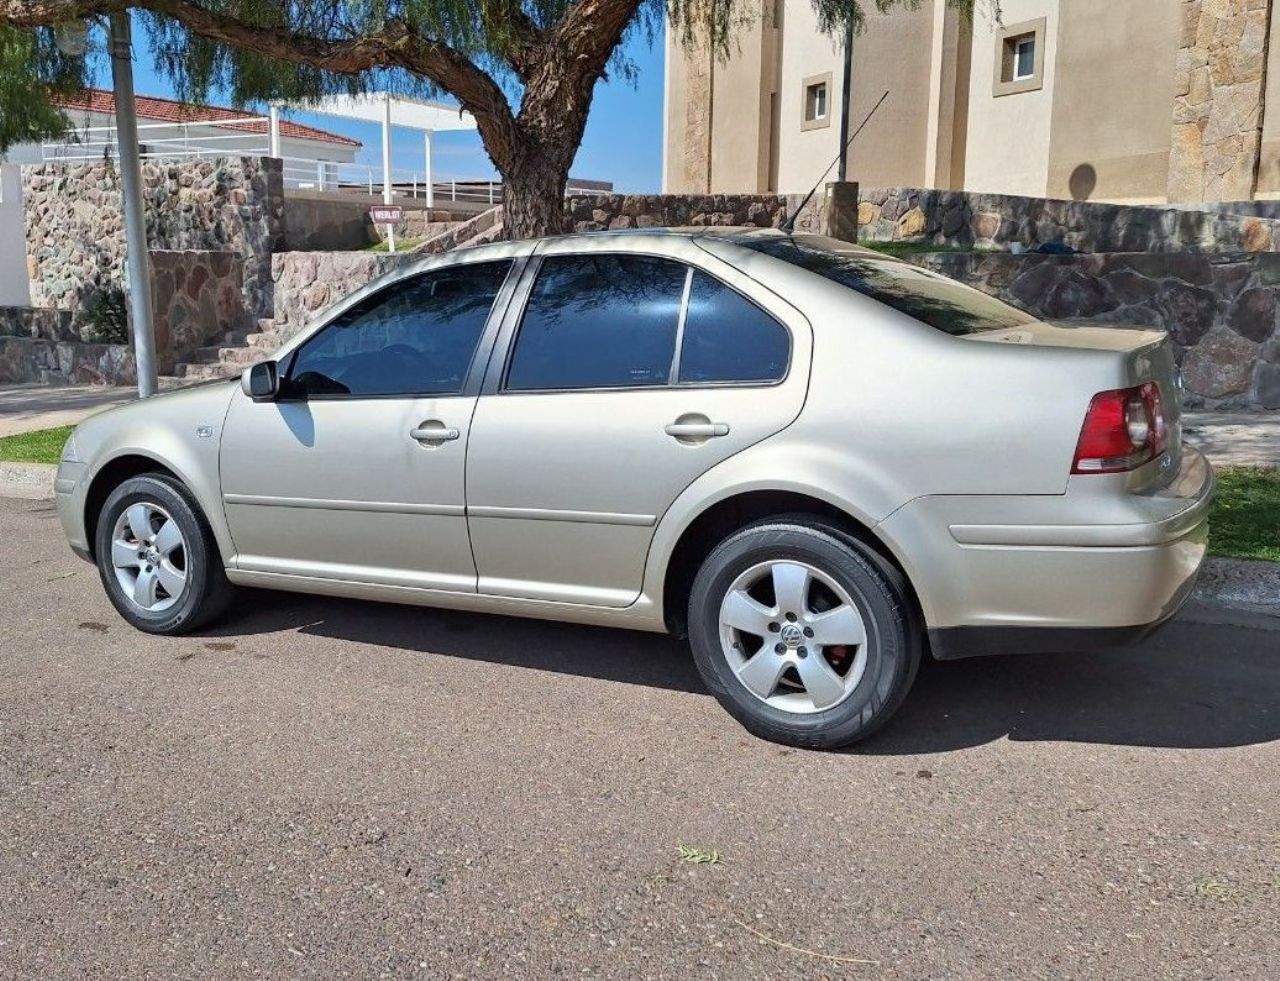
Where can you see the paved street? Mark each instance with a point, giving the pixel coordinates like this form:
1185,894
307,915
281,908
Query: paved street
326,788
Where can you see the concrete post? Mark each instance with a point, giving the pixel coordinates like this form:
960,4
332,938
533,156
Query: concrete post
431,181
840,211
275,130
387,193
135,229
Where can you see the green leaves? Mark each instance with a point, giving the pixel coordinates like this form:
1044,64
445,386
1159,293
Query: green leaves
31,66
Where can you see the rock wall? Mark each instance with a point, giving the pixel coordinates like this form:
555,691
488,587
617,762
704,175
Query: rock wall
306,283
44,346
1221,310
196,297
998,220
596,212
1220,80
75,232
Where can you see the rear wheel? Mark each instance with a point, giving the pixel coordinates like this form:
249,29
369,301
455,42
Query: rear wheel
803,633
157,557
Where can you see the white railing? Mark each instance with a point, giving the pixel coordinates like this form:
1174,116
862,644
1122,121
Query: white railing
200,138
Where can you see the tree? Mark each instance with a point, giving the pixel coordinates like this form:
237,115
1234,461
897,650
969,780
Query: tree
525,69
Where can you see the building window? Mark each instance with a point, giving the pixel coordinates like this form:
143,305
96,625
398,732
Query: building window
1024,58
816,108
1019,58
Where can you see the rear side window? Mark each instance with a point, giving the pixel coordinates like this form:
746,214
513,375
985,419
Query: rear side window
727,338
942,303
599,321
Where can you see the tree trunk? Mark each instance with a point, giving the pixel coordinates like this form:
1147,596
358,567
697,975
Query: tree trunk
533,202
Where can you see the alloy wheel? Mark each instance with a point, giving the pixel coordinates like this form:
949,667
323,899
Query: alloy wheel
149,556
793,636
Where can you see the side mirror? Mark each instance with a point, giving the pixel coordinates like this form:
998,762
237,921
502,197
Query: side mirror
261,382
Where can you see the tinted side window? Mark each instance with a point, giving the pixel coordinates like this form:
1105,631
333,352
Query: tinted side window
413,338
599,321
727,338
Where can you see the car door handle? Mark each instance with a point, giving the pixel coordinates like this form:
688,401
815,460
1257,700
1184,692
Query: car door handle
434,432
697,430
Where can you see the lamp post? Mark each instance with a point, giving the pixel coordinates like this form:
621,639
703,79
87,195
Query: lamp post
846,103
135,230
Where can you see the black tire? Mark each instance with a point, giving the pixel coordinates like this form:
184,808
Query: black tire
207,592
878,591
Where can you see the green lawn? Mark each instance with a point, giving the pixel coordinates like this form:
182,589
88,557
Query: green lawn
41,446
900,249
1245,523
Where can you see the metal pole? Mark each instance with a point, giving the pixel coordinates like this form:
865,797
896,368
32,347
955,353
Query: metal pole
431,181
275,131
387,194
135,229
846,103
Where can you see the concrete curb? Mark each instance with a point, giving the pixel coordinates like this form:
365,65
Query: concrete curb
1230,584
29,480
1239,584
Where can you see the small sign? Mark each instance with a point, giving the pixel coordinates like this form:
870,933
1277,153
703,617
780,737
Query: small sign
386,214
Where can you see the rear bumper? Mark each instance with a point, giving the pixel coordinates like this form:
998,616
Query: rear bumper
991,581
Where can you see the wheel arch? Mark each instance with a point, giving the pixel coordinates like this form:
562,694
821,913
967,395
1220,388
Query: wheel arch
723,517
134,463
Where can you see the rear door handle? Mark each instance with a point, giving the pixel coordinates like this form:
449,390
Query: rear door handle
697,430
434,432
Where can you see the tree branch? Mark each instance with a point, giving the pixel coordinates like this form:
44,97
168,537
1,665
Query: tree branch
393,46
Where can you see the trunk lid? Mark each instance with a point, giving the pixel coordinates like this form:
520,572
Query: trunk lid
1139,354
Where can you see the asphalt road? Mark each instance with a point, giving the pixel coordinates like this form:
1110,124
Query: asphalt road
322,788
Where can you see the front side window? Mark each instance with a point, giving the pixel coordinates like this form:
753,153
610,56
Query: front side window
942,303
599,321
727,338
416,337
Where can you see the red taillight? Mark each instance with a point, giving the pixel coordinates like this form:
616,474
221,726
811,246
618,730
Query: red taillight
1123,429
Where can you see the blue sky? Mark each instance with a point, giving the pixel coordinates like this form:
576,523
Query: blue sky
623,140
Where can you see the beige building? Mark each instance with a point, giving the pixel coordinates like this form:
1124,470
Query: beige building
1107,100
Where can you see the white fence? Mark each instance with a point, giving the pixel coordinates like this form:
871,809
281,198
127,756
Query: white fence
250,136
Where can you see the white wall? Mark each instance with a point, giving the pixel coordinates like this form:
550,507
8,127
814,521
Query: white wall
1008,142
806,51
14,290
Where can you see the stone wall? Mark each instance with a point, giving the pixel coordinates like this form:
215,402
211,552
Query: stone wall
75,233
44,346
306,283
999,220
196,297
1221,310
596,212
324,222
1220,79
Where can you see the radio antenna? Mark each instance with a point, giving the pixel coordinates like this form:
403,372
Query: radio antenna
789,226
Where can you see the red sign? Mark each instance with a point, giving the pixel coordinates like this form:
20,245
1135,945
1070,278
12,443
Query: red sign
386,214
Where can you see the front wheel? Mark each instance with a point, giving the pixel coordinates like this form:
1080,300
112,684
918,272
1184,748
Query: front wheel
157,557
803,633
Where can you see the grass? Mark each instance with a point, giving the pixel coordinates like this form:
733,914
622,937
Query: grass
900,249
41,446
402,245
1245,523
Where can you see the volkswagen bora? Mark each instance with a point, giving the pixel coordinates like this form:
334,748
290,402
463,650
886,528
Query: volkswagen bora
818,463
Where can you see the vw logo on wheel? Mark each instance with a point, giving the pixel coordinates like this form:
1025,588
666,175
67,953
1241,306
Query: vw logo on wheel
791,635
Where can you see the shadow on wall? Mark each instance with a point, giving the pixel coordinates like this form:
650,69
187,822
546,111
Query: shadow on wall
1163,693
1082,182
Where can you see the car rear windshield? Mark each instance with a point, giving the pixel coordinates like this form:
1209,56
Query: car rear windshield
940,302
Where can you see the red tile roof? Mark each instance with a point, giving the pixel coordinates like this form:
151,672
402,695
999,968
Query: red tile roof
168,110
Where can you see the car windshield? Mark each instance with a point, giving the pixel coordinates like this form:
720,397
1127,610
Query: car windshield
940,302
